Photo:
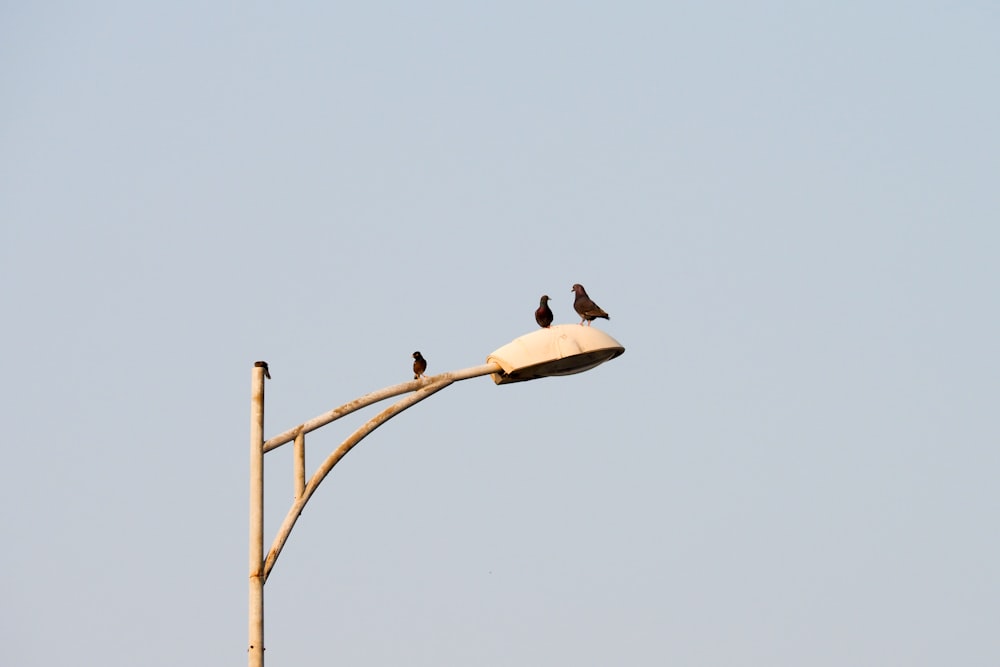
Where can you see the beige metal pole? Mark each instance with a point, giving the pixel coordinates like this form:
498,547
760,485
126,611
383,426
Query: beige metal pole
256,630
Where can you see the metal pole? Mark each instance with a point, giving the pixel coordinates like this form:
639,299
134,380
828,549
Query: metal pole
256,651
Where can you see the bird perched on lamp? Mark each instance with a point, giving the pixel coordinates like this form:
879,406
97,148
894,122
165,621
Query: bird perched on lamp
585,308
543,315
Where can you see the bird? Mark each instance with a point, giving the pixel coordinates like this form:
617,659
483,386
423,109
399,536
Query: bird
544,314
419,365
585,308
263,364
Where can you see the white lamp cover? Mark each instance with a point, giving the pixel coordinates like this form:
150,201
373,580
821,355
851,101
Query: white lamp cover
562,349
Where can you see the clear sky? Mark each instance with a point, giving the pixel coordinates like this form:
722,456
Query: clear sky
790,211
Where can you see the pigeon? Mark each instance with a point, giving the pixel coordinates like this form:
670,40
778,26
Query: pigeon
585,308
544,314
419,365
263,364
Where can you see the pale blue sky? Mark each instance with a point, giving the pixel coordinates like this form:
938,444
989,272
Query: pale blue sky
789,209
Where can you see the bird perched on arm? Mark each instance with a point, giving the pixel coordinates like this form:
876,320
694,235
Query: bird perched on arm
419,365
544,314
585,308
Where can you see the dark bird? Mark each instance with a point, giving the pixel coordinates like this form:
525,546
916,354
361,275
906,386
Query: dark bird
585,308
419,365
263,364
544,314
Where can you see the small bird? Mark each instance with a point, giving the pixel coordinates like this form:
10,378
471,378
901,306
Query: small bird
419,365
544,314
263,364
585,308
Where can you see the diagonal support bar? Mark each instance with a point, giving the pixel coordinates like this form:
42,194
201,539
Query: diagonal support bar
300,464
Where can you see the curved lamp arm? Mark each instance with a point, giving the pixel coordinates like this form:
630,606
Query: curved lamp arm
424,389
375,397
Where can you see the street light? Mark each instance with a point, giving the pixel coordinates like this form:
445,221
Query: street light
558,350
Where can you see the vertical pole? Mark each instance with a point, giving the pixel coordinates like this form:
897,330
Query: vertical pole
300,464
256,650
